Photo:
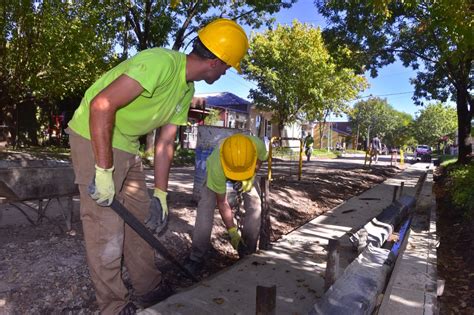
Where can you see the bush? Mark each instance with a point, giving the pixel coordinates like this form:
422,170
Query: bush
184,157
282,152
181,157
462,189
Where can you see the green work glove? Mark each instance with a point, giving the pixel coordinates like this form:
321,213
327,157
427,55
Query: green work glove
247,185
102,188
235,237
158,214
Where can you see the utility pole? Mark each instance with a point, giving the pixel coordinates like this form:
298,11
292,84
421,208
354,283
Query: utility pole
329,131
368,137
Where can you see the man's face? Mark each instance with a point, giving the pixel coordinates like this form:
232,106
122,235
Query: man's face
216,70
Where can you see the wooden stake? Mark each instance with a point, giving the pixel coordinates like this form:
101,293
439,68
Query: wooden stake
266,300
332,266
402,185
265,227
395,191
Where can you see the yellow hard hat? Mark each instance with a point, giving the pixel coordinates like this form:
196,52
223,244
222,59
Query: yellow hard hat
227,40
238,157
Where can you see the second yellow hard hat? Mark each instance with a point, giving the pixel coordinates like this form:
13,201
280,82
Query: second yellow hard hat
238,157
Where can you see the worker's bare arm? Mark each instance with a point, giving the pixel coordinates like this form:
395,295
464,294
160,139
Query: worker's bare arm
225,210
258,165
103,107
164,151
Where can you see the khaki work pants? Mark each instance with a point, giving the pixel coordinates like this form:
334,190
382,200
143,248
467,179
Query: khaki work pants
107,237
205,220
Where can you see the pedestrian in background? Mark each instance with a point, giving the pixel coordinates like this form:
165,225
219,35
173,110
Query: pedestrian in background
376,148
308,145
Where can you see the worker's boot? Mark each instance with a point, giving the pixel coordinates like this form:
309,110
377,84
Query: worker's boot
243,250
192,266
160,293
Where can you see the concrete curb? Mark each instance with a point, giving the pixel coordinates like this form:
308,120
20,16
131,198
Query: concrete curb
413,284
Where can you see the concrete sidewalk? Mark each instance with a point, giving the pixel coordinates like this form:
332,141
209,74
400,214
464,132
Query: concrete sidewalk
295,264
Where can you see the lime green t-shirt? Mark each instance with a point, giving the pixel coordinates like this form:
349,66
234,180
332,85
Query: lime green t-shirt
216,180
165,99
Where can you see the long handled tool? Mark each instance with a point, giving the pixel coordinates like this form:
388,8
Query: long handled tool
144,233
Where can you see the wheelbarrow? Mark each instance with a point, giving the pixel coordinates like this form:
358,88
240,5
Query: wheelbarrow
32,185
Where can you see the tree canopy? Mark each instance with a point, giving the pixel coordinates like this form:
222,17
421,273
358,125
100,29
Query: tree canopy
296,76
434,122
49,51
52,51
152,23
436,38
375,116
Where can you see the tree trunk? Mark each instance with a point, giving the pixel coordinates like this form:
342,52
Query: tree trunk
321,130
464,126
280,128
368,138
357,138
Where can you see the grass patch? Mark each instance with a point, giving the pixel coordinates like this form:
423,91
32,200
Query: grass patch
289,154
446,160
325,154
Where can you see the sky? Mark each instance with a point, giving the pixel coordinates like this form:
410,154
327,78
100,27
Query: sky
392,82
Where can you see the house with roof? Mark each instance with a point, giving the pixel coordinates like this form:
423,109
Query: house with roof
333,134
234,112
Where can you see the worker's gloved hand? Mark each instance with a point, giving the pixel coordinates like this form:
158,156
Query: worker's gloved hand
235,238
247,185
158,216
102,188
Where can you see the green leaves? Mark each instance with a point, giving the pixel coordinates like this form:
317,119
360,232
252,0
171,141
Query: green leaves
375,116
462,188
434,37
295,74
435,121
56,49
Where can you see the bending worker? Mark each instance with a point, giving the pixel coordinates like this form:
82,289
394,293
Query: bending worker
235,159
151,90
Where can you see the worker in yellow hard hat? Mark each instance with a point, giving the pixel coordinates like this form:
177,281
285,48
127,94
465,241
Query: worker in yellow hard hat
233,163
150,91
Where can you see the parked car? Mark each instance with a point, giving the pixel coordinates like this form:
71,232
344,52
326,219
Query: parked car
394,150
423,152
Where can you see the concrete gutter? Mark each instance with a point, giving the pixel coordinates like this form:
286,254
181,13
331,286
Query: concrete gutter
296,264
412,288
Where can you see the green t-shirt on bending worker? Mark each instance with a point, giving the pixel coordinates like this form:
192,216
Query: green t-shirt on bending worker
165,100
216,180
